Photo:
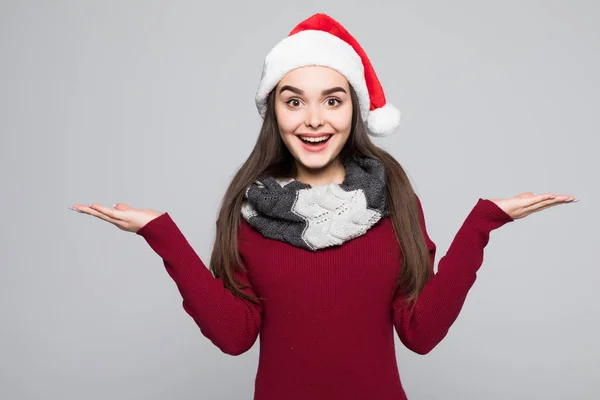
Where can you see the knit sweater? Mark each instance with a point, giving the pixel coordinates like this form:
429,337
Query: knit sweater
327,319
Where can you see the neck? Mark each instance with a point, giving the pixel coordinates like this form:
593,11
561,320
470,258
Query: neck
332,172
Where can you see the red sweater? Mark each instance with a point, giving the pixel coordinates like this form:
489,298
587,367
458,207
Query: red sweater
328,317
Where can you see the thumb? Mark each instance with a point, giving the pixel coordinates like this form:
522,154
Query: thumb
525,195
122,207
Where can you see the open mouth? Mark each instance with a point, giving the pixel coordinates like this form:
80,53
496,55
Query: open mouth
315,141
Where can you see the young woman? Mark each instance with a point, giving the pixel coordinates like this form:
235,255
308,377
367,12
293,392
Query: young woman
321,243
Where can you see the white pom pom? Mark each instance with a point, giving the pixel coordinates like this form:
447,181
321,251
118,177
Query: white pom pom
383,121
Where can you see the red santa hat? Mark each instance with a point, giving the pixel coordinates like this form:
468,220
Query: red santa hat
321,40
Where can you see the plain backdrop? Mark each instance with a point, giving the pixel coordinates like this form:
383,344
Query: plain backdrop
152,104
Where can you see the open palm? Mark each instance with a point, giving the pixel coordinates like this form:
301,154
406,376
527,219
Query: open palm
122,216
528,203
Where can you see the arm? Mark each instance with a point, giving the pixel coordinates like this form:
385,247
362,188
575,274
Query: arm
229,322
421,328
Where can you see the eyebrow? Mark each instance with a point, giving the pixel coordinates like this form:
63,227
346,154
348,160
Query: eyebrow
301,92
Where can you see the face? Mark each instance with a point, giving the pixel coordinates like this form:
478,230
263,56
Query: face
313,106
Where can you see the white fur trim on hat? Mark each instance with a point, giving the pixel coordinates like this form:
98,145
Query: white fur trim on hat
383,121
312,47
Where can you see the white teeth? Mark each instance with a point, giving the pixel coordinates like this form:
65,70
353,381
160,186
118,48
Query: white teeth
315,139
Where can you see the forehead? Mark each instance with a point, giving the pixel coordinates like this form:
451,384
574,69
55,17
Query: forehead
314,78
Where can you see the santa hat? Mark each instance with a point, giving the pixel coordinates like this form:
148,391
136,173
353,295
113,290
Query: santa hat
321,40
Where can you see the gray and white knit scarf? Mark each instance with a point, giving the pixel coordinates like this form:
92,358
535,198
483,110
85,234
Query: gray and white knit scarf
316,217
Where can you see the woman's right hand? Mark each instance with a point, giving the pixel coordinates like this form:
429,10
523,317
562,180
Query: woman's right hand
122,216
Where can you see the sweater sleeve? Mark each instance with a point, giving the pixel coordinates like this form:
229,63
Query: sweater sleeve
229,322
422,327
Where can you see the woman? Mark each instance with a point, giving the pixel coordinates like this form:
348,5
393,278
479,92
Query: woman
321,243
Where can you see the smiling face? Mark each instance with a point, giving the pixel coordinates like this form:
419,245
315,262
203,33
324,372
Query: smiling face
313,106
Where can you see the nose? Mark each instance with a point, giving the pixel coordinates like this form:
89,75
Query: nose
314,116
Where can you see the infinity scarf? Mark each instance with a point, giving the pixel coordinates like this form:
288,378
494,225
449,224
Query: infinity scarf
317,217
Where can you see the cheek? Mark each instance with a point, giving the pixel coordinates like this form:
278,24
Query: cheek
342,121
288,121
287,127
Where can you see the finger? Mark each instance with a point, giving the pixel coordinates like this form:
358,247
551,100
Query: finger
98,214
532,201
531,211
542,205
114,214
538,204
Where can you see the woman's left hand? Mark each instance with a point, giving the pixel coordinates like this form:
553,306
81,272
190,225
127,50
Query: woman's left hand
528,203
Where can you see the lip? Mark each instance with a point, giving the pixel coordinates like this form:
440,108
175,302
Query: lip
314,134
311,147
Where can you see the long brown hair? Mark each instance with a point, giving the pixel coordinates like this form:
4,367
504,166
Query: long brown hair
271,157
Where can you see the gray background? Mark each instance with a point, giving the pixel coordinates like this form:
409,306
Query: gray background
151,104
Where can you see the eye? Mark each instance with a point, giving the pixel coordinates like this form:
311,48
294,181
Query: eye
293,102
334,100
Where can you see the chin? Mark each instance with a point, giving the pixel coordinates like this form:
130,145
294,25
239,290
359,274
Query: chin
315,162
